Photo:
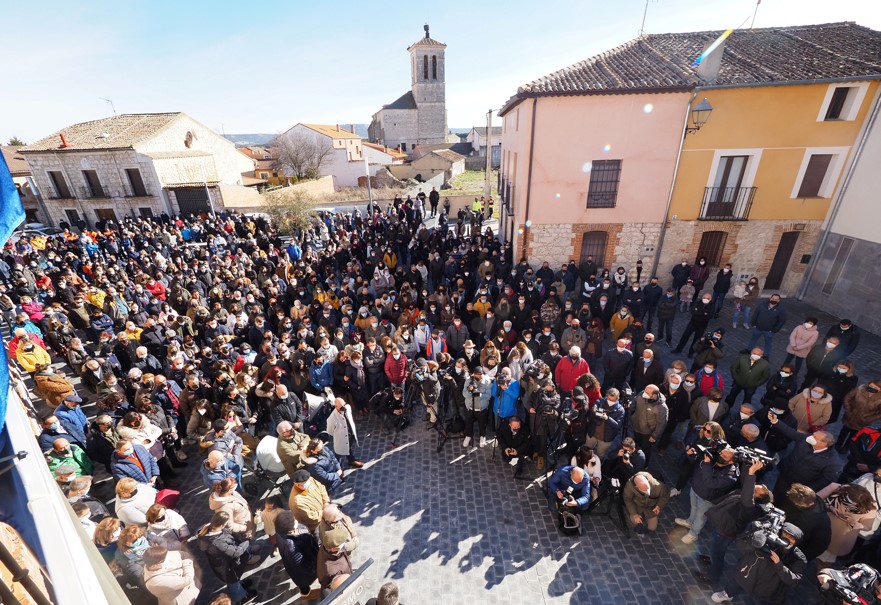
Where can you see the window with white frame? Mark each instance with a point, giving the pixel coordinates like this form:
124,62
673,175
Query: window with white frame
842,102
819,172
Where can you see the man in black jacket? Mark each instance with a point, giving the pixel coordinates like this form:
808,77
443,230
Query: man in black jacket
515,443
721,287
701,313
847,334
766,321
666,314
814,462
651,296
730,516
617,366
680,275
808,512
764,576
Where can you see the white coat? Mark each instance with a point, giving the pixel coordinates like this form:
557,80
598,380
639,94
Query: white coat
336,426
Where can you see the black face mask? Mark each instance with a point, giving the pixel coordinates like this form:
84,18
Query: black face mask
872,390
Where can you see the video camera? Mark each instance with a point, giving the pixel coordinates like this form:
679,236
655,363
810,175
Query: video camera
713,450
626,398
764,533
856,584
537,370
711,336
748,455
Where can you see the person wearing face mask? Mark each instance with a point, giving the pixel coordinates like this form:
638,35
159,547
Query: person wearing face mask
569,369
647,369
848,336
721,288
64,452
170,577
862,408
680,273
814,462
822,361
709,378
749,372
633,299
709,408
812,409
679,405
617,366
843,381
767,320
701,313
341,427
135,462
621,322
573,336
650,416
771,434
781,384
699,273
801,340
710,347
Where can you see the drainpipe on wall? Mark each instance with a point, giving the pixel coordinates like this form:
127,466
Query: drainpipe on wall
529,179
836,206
660,247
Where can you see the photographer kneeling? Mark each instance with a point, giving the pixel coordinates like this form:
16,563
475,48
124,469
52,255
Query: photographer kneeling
569,488
766,572
644,499
389,405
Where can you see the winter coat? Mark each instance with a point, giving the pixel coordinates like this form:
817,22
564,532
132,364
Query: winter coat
123,467
822,361
175,583
606,429
52,387
667,307
749,374
308,504
396,369
650,418
723,282
561,480
226,555
848,339
618,325
568,372
321,376
643,375
29,359
505,401
299,554
712,482
171,533
700,412
699,275
768,319
801,339
74,421
482,390
640,503
821,411
733,513
324,467
861,408
133,510
342,428
765,580
77,458
804,465
778,386
226,468
240,519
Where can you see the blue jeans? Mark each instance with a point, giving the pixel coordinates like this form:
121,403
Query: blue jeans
754,338
718,547
743,310
236,592
698,516
718,302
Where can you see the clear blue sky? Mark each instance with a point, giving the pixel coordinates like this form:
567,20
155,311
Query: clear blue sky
263,67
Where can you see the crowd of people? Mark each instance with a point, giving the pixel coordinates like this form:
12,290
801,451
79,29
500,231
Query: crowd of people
215,341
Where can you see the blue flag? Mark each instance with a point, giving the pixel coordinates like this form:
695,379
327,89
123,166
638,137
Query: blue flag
11,215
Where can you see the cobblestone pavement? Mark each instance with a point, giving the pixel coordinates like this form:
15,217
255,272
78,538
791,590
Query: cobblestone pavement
455,527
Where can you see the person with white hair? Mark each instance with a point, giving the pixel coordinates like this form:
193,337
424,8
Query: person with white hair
644,499
148,364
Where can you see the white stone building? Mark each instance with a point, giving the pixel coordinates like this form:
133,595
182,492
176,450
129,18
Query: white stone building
346,163
478,139
134,164
419,116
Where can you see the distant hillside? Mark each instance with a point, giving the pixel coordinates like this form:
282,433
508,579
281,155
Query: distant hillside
246,140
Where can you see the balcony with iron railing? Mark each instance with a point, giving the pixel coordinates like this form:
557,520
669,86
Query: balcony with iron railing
727,203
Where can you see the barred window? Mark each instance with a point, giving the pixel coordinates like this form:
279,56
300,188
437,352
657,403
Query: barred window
604,178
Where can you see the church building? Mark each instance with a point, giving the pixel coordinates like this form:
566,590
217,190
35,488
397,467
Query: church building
419,116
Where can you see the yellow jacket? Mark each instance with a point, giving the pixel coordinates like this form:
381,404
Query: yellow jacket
618,325
30,359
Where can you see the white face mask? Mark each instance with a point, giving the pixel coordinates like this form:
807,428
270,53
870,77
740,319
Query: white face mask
708,370
755,357
201,412
809,325
785,374
674,386
744,416
830,345
621,349
811,440
816,394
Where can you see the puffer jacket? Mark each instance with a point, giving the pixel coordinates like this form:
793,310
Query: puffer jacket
801,339
225,554
240,519
650,418
861,408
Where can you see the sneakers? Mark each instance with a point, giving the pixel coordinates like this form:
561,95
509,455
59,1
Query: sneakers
482,441
734,325
514,461
746,326
674,492
682,522
466,442
689,538
721,597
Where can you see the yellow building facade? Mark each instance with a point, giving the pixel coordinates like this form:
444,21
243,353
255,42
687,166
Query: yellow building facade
755,182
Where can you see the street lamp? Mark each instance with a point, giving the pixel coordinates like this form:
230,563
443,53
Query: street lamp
700,113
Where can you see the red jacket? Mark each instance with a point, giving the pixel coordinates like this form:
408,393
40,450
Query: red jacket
396,369
429,347
157,289
567,373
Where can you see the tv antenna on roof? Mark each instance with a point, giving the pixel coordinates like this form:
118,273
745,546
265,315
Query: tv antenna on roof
644,13
753,22
111,104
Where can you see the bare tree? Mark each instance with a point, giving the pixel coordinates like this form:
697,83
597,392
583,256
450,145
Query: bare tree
300,155
291,211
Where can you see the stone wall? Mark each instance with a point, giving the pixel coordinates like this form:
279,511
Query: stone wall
750,247
560,243
855,294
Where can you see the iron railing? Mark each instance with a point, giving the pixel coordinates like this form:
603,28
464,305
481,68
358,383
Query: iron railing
727,203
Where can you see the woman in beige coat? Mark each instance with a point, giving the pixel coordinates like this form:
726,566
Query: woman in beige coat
170,576
852,509
224,497
812,408
801,340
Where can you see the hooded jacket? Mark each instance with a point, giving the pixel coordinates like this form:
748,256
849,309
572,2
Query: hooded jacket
650,418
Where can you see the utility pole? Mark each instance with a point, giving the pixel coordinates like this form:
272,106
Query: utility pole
487,183
369,188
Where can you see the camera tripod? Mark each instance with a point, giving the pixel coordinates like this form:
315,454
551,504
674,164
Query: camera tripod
611,495
404,421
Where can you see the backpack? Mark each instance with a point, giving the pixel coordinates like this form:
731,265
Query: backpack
569,522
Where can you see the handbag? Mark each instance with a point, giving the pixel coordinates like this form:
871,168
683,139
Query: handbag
811,426
168,498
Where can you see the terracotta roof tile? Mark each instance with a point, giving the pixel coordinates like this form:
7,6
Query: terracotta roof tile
664,62
121,131
18,166
333,131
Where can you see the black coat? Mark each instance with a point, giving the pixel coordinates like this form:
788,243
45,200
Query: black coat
299,554
723,282
737,510
814,522
643,376
758,575
667,307
522,441
285,409
848,339
816,470
226,555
